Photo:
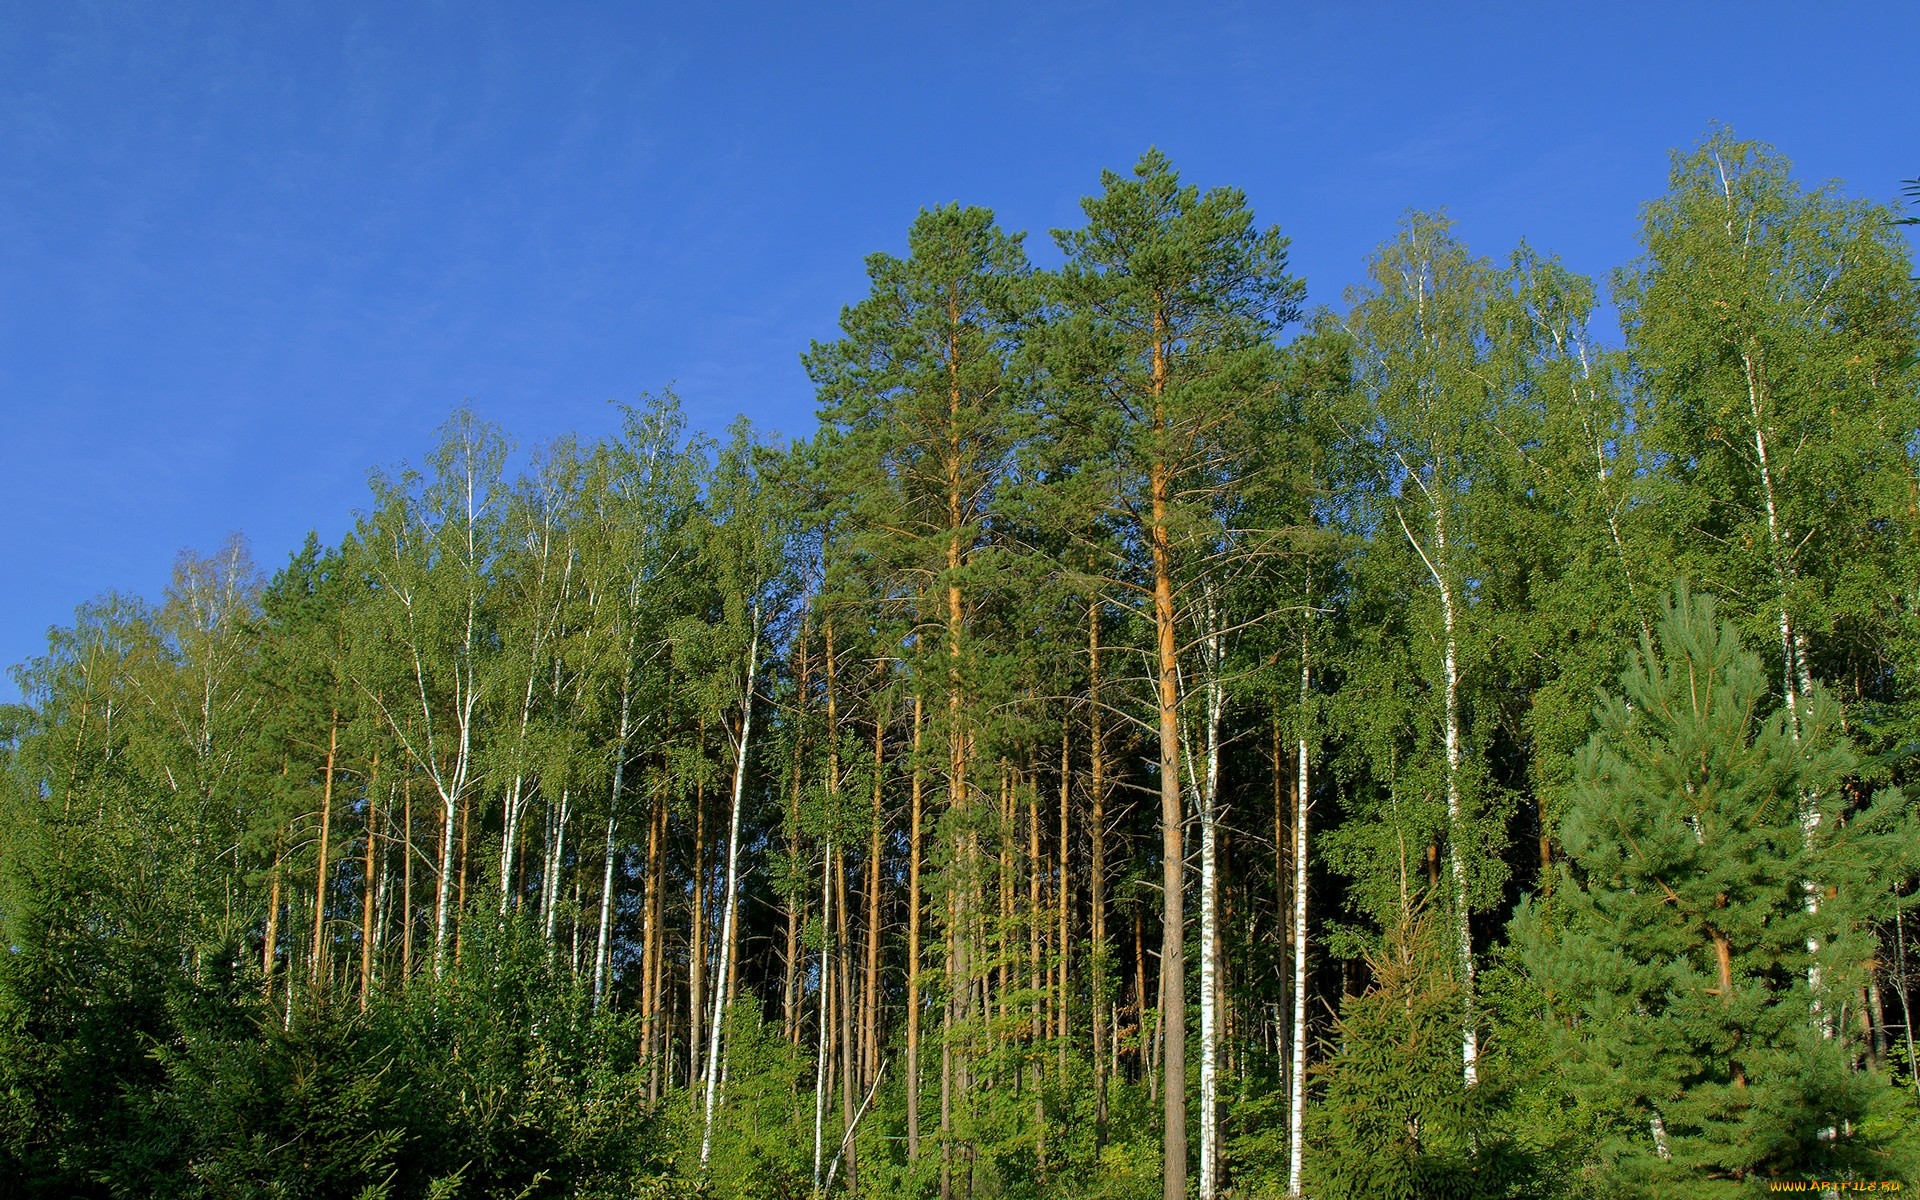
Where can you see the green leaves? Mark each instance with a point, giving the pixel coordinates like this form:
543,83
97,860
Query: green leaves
1692,951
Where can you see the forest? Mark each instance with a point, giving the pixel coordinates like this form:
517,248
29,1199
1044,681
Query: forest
1152,739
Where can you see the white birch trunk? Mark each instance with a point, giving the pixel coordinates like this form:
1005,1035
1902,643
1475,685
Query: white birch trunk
550,903
720,997
602,954
1450,678
1296,1082
1456,861
1796,677
1209,920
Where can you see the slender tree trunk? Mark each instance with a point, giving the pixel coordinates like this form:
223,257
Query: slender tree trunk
1097,871
406,880
822,1050
913,946
1173,991
603,949
1036,1007
460,901
443,886
949,1019
603,944
650,933
843,1007
716,1033
1439,567
870,987
1208,798
697,949
550,905
790,987
270,951
367,887
1063,894
1456,825
315,975
658,1030
1297,1069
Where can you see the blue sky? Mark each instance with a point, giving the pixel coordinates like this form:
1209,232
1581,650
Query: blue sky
248,252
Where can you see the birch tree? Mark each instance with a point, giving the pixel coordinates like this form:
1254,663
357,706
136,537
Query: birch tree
429,546
1419,356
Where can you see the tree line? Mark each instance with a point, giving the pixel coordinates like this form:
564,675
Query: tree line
1151,739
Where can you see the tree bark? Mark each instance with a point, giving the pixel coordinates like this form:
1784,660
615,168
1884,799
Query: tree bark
367,887
1173,990
716,1035
913,946
1208,803
315,976
1297,1069
406,879
697,949
870,987
603,947
1097,871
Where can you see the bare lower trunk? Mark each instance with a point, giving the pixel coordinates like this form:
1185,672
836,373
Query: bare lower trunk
270,951
716,1034
406,881
913,948
870,986
1438,567
603,947
697,950
1296,1076
820,1054
1097,872
443,886
550,904
316,976
1173,990
1208,795
367,888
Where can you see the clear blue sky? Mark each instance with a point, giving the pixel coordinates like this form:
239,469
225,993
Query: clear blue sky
248,251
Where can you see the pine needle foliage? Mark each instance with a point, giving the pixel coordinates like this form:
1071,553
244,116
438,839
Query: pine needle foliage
1713,921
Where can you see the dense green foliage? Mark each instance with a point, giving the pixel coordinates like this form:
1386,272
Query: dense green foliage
669,816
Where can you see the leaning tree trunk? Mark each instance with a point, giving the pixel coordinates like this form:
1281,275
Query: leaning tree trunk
731,911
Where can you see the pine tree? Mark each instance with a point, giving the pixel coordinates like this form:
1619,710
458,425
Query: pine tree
1677,955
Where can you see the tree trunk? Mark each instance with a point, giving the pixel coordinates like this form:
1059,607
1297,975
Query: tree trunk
367,887
870,987
460,901
697,949
650,933
1440,568
1063,892
1297,1069
822,1049
1208,797
716,1034
790,986
270,951
406,879
913,947
1173,990
550,905
1097,871
443,886
603,947
315,975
